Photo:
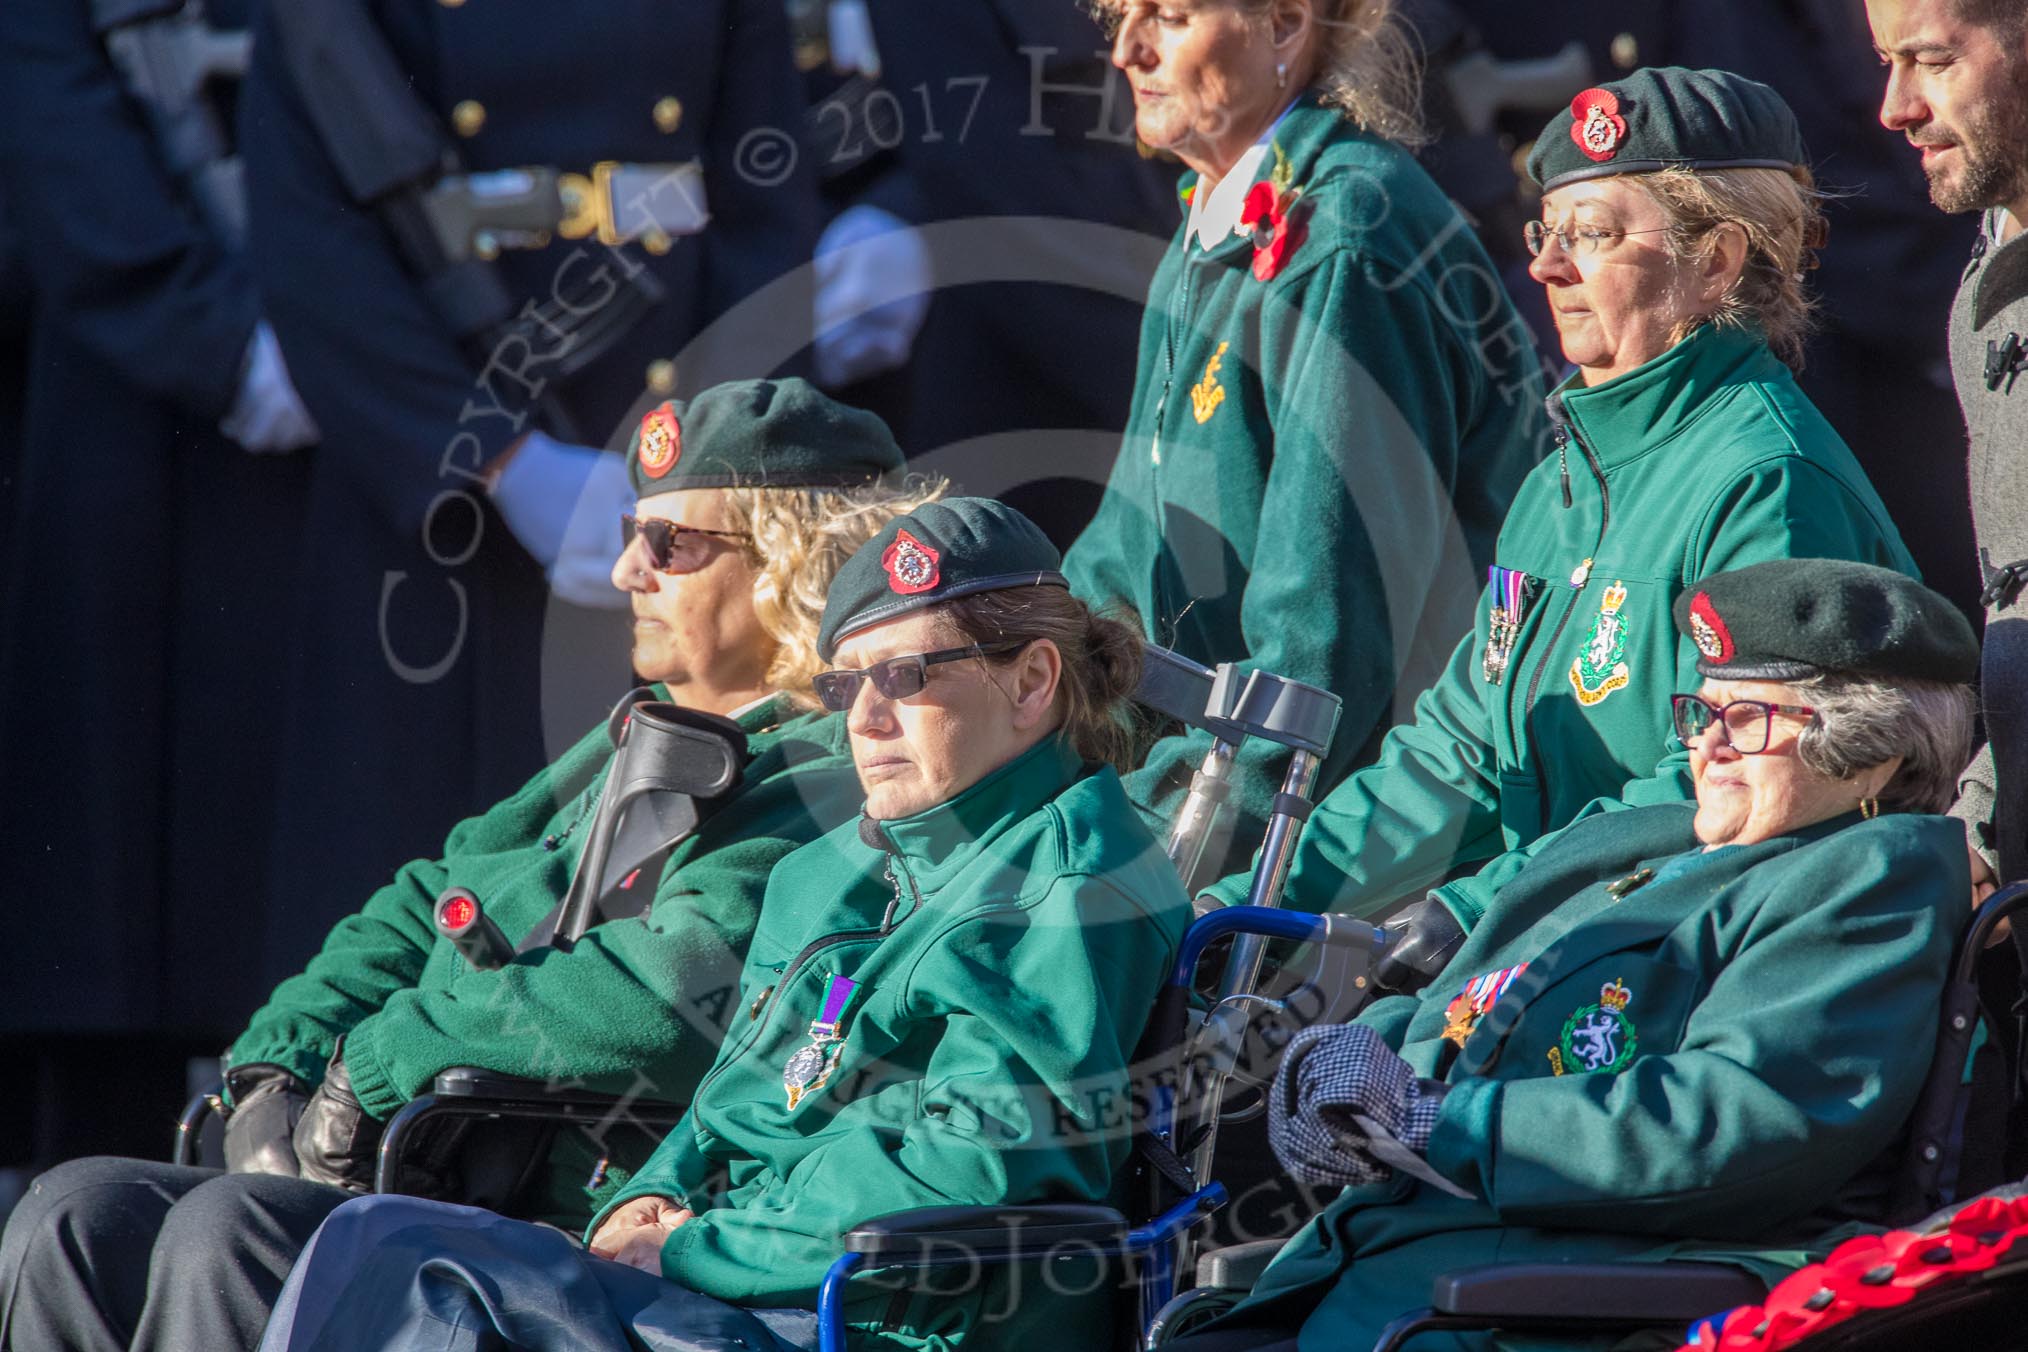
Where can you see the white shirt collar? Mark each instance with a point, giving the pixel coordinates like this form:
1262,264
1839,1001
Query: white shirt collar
1214,215
748,707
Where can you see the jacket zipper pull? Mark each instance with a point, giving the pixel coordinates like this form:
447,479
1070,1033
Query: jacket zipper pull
1560,430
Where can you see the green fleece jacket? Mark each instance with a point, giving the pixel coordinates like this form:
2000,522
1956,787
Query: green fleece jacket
1705,459
1002,979
1715,1060
1315,465
638,1006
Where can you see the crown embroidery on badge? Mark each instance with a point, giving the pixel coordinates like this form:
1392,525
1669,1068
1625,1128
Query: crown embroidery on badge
661,441
1600,666
1708,631
1597,126
1614,995
911,565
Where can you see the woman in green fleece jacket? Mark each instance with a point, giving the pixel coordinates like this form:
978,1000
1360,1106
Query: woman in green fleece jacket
1335,401
938,1007
1677,220
1692,1027
727,581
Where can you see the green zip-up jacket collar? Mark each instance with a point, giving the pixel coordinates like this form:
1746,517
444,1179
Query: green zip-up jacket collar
998,985
939,843
1705,459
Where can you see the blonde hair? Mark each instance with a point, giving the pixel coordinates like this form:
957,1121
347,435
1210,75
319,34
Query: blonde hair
1780,210
1101,662
799,538
1368,67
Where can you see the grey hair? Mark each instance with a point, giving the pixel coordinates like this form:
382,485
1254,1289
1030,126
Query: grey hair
1862,722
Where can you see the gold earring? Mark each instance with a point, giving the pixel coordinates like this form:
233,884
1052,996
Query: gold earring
1869,808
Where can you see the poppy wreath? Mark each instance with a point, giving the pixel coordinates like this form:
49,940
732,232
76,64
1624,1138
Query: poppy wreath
1870,1272
1278,218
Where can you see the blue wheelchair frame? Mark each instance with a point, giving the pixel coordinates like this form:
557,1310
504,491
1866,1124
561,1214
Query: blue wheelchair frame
1518,1297
942,1237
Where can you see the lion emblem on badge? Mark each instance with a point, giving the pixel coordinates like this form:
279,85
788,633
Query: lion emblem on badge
911,565
1597,1038
1600,667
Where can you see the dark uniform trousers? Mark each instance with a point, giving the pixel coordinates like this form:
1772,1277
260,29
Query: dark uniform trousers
107,1253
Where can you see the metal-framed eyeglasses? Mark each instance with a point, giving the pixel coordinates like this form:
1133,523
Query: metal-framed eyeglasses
897,677
1579,241
1748,723
673,548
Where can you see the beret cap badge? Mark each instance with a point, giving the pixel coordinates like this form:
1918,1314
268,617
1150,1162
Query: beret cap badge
661,441
1708,631
1597,126
911,565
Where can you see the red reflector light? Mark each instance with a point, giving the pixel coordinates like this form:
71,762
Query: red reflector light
458,912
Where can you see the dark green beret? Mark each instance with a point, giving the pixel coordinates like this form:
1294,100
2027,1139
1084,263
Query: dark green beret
759,434
1791,618
1666,117
939,551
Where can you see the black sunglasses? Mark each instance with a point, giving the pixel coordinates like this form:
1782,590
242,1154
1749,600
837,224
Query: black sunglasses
897,677
672,548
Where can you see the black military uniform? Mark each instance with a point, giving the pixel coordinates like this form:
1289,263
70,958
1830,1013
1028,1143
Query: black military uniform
146,565
1009,137
423,690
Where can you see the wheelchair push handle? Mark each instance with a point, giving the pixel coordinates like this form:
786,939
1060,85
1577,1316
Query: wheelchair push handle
1334,931
1420,943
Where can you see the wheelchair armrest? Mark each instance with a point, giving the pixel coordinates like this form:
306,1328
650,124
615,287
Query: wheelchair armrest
943,1234
190,1125
476,1085
1661,1293
1236,1267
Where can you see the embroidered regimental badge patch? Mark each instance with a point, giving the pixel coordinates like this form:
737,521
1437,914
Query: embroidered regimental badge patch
1708,631
1599,670
1597,127
911,565
1597,1038
1207,394
661,442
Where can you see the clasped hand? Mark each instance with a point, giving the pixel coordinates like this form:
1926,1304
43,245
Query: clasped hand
636,1231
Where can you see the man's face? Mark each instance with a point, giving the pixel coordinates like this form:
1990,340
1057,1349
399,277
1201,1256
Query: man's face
1959,92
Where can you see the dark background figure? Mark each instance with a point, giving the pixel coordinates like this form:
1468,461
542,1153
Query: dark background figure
146,579
1010,137
14,313
433,661
1877,366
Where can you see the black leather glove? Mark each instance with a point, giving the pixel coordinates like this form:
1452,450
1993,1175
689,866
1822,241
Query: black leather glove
267,1101
336,1141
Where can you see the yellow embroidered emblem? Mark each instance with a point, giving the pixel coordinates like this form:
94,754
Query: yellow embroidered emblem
1207,394
1600,669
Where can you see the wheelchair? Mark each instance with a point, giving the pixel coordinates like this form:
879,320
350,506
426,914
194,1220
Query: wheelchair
1940,1162
663,763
